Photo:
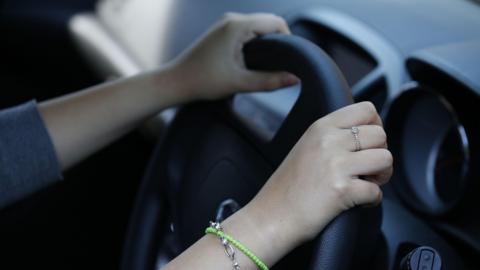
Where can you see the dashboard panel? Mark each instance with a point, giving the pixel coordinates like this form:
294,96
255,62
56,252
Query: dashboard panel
354,62
461,223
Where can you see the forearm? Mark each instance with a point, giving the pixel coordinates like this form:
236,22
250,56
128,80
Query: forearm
84,122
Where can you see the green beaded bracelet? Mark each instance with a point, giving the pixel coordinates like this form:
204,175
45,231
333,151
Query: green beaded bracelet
235,243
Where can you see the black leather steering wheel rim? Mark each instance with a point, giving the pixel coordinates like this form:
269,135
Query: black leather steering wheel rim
323,90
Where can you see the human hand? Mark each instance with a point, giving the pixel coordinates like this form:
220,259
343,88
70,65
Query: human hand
214,66
324,175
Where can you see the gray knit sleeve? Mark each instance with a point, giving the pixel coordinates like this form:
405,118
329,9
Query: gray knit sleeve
28,161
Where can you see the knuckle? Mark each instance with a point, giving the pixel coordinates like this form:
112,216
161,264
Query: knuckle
380,120
387,175
380,132
284,23
229,16
341,189
318,127
325,141
229,19
278,19
268,15
387,156
369,108
322,134
373,192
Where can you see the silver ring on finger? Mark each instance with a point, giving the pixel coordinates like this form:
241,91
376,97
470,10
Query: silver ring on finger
356,139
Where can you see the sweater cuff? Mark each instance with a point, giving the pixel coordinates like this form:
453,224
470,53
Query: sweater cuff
28,161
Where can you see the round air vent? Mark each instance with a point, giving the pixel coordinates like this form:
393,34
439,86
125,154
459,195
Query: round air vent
431,150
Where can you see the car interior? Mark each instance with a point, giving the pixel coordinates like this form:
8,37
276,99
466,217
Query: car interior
141,201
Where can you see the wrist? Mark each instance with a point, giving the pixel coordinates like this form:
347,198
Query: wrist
266,237
188,79
170,85
276,226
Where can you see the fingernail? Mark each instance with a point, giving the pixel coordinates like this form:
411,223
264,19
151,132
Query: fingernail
291,79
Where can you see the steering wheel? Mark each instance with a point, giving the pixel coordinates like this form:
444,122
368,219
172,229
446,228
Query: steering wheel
209,155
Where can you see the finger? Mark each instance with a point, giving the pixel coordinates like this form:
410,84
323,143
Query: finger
363,113
369,136
381,178
265,23
368,162
364,192
258,80
378,121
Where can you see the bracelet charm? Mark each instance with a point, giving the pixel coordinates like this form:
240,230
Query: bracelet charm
229,242
229,250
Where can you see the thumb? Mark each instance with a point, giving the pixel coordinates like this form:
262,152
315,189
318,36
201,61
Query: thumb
261,80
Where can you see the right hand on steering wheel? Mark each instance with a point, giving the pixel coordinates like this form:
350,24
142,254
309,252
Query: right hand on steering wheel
324,174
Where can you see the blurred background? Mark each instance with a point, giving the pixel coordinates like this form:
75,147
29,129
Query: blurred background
80,222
